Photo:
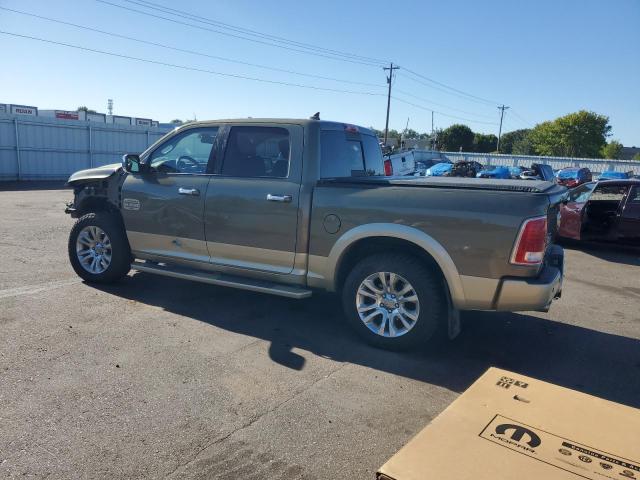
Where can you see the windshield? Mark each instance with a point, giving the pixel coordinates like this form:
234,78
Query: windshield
564,174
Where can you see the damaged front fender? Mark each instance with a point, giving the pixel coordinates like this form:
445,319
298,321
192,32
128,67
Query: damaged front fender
92,174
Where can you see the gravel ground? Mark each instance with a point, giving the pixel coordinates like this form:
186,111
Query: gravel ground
158,377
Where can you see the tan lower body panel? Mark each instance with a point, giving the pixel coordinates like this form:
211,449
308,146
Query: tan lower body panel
238,257
479,292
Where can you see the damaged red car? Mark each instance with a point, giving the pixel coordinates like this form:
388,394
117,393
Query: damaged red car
602,211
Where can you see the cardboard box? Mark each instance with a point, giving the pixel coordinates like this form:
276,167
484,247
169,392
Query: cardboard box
508,426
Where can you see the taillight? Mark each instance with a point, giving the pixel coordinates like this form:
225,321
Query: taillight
531,242
388,167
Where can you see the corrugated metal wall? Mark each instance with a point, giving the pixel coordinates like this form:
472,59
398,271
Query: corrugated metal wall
40,148
595,165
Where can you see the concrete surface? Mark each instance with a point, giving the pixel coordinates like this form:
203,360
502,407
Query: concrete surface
158,377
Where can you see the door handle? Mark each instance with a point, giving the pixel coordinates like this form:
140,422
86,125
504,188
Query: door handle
279,198
189,191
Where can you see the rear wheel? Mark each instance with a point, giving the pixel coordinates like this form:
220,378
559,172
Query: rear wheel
394,301
98,248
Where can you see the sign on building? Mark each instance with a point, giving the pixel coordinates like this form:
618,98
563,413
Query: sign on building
155,123
3,108
143,122
24,110
67,115
96,117
117,119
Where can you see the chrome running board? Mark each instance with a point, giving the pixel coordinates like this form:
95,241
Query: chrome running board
223,280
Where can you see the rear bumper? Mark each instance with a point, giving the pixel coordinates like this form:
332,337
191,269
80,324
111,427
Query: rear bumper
518,294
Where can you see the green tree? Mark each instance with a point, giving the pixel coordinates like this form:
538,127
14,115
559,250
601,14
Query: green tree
522,146
176,121
579,134
456,137
379,133
636,156
85,109
508,140
410,133
613,149
392,133
484,143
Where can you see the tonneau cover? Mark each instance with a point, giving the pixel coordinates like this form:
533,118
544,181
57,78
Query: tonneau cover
530,186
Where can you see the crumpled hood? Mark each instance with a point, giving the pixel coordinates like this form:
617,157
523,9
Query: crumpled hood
97,173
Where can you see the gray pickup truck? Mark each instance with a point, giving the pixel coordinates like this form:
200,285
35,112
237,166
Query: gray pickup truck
285,206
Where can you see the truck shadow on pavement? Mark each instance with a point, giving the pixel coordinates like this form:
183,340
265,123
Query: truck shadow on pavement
611,252
594,362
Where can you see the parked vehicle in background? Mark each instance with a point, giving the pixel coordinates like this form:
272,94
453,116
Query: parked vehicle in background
285,206
573,176
421,168
538,171
611,175
515,172
402,163
494,172
606,210
442,169
466,168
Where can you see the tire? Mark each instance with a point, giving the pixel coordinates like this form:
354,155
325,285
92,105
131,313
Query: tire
430,310
111,251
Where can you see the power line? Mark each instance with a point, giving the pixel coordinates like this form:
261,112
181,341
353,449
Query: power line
231,75
440,104
186,67
529,124
444,85
314,49
422,107
308,48
193,52
179,22
447,90
247,31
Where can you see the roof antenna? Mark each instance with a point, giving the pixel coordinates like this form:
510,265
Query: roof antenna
316,116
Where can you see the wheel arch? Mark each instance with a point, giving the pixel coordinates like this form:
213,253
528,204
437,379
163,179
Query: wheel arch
367,239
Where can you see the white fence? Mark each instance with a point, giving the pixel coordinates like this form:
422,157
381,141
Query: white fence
37,148
595,165
40,148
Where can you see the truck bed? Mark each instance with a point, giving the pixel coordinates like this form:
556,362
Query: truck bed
529,186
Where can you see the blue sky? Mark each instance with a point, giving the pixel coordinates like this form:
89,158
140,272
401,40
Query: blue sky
543,58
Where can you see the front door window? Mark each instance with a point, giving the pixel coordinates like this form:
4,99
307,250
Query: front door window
187,152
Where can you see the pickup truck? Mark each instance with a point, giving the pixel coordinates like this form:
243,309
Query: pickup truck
286,206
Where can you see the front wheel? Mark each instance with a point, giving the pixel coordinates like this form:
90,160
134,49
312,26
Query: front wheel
98,248
395,302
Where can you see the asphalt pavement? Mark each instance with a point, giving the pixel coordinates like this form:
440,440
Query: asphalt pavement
157,377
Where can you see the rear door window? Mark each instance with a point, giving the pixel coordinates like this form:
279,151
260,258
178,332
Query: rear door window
608,193
344,155
257,152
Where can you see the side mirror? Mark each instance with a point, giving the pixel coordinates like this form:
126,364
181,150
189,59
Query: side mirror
131,163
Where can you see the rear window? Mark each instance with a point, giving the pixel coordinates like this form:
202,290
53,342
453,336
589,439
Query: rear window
568,174
343,155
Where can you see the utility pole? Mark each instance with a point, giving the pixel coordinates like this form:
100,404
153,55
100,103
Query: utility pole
391,68
433,141
502,109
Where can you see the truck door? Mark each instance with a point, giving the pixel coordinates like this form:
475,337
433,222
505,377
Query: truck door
251,207
572,213
163,207
630,220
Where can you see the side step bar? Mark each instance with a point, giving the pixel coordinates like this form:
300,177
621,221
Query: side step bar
224,280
